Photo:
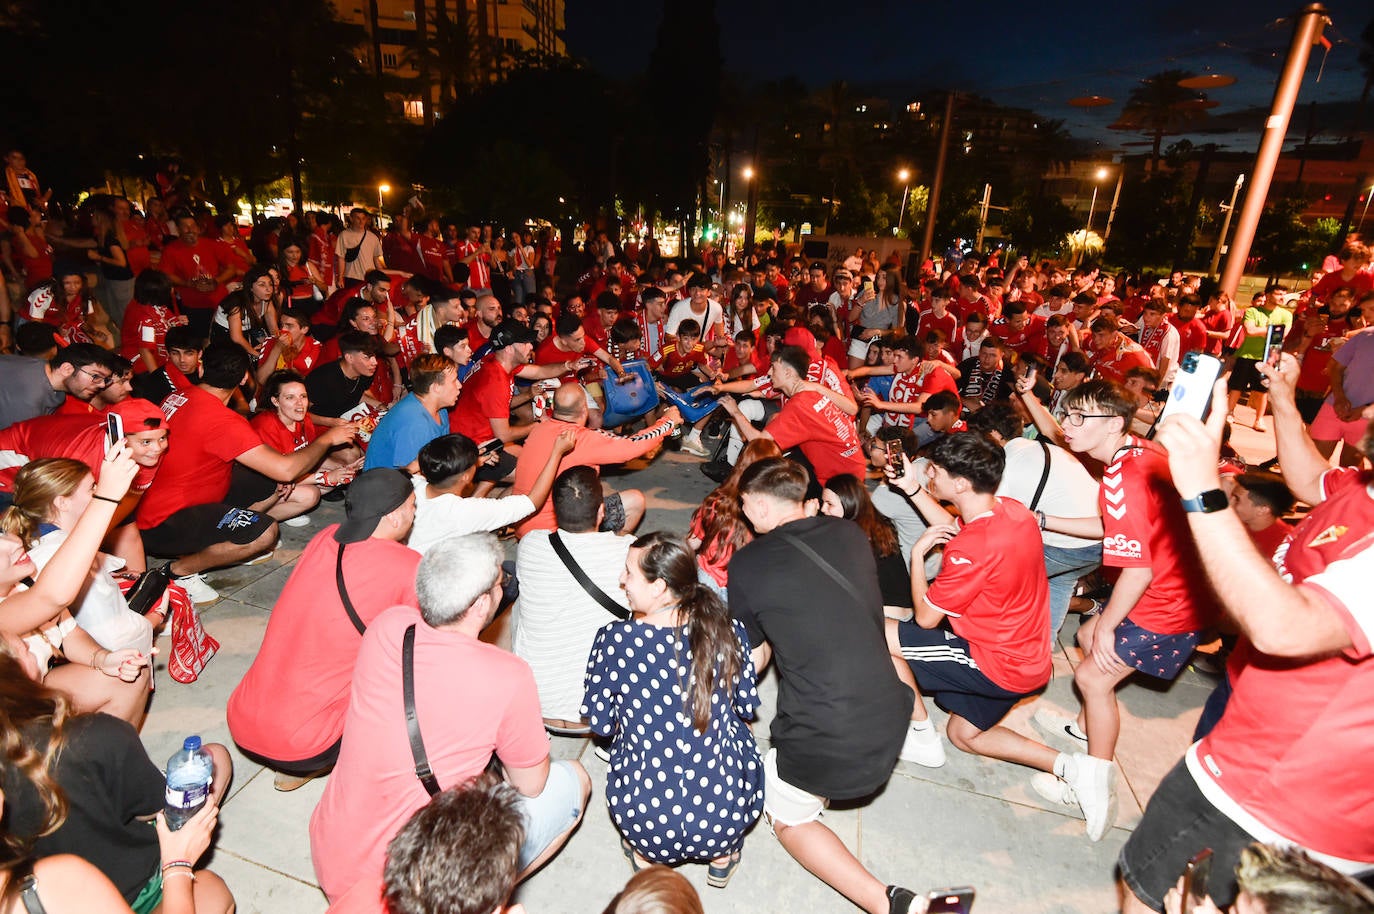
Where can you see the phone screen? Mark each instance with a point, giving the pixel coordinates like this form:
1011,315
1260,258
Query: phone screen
950,901
894,455
1273,344
114,430
1195,878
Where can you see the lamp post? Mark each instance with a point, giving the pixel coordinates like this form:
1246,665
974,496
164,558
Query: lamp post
381,189
1365,212
1116,198
751,208
1098,176
905,177
1225,226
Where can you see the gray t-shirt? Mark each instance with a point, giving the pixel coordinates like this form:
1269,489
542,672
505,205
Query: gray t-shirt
24,390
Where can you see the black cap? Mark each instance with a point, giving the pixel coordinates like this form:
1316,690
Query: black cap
509,332
372,496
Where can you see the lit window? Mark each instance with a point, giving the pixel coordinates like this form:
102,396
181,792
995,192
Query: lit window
415,109
389,60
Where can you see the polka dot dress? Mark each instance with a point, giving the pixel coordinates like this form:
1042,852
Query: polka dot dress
675,794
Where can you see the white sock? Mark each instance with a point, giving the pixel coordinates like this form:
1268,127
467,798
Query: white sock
920,726
1064,765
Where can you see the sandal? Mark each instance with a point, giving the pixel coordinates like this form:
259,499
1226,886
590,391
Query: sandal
629,853
718,877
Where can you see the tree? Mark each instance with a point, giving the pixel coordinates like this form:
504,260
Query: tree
1037,224
1159,107
1281,238
1144,231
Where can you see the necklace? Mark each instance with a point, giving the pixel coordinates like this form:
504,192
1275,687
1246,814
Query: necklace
671,607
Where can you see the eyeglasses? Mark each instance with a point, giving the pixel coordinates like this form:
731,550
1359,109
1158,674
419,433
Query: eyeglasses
1076,419
104,380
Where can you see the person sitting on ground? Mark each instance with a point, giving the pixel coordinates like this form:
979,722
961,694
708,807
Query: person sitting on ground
375,787
180,370
288,710
419,417
95,678
845,496
448,465
33,388
1261,500
284,425
189,514
336,388
571,343
82,783
985,377
1046,478
718,528
594,448
556,616
807,594
914,381
149,316
292,348
698,663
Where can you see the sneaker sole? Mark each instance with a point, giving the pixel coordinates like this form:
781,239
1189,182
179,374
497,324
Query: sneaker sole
1110,821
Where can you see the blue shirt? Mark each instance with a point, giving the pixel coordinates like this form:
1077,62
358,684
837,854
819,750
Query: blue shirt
405,429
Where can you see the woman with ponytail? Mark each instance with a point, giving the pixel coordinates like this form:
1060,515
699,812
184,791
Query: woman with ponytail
671,689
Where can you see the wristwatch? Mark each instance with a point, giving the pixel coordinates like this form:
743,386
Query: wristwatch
1207,502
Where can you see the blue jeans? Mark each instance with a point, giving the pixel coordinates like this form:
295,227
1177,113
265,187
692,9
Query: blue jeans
1064,567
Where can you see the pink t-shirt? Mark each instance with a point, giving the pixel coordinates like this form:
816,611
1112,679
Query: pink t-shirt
472,700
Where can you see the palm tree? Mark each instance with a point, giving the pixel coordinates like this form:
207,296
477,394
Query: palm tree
1159,106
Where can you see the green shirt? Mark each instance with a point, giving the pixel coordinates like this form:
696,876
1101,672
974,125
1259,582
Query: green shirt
1253,347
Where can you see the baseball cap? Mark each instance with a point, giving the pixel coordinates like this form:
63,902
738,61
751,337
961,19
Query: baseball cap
509,332
135,411
372,496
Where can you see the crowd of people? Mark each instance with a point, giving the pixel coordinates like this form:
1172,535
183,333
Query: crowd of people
919,478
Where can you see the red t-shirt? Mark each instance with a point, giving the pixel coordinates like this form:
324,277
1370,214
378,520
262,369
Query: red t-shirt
548,353
290,705
1312,376
948,325
1144,526
1192,335
38,268
1112,364
80,437
140,245
759,359
1218,322
1287,750
1030,338
486,395
823,432
431,252
998,599
479,269
205,438
145,327
186,262
672,363
311,356
1360,283
235,252
278,437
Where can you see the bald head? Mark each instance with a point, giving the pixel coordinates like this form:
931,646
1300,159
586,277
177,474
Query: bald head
488,310
570,404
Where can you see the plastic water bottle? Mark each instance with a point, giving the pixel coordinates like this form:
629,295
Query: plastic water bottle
189,775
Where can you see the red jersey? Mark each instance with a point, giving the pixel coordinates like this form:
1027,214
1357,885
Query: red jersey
823,432
479,270
1144,526
1030,338
1192,335
908,388
759,359
79,437
1360,283
548,353
205,438
1312,376
998,599
187,263
234,252
675,364
145,327
321,254
1282,759
140,245
431,252
310,357
1112,364
949,325
1222,321
276,435
486,395
38,267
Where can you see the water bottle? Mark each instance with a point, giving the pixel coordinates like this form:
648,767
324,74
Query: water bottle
189,775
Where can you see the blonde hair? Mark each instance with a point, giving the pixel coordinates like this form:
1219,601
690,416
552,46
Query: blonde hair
37,485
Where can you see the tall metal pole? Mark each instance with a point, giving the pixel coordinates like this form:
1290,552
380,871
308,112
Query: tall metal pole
901,213
1311,21
1367,194
983,216
1225,226
1116,198
933,206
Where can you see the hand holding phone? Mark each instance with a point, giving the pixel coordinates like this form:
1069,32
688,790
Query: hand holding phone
1195,876
894,455
1273,344
114,431
1192,390
950,901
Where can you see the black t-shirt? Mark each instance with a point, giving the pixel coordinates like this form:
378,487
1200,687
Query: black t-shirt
155,386
332,393
842,711
110,783
894,580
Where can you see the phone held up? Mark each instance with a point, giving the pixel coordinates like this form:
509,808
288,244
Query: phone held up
1191,394
1195,879
1273,344
894,455
950,901
114,431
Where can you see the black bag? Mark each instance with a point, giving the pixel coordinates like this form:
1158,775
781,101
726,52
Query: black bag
351,254
147,591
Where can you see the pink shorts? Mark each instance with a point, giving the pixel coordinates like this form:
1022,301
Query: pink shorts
1326,427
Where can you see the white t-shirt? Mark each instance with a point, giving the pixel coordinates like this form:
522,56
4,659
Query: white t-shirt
1069,492
555,620
452,515
682,310
100,609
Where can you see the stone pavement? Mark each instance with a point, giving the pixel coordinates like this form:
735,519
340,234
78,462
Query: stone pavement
973,822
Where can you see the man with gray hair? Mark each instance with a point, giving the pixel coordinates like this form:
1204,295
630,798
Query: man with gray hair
461,702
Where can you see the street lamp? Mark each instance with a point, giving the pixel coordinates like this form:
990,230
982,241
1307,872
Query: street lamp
1367,194
382,189
751,208
905,177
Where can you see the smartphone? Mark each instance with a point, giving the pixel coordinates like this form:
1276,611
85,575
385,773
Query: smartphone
1191,394
486,447
868,285
1273,344
1195,876
114,431
894,455
950,901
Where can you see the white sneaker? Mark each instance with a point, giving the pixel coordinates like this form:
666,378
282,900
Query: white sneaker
300,520
1053,789
197,588
259,559
1062,731
924,747
692,445
1093,781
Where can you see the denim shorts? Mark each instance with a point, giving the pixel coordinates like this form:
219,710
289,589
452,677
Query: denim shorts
551,813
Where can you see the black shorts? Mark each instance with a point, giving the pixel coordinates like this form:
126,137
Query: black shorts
1245,376
1178,822
614,519
325,759
1309,404
199,527
248,487
945,670
499,471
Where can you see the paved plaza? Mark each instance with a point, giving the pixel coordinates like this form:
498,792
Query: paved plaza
973,822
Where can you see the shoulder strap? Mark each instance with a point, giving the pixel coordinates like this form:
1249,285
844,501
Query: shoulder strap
1044,475
815,556
343,594
596,593
417,743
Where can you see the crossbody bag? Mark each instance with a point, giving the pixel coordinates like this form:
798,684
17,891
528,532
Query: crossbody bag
596,593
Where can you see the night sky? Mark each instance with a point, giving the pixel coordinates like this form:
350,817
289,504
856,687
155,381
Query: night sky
1028,55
